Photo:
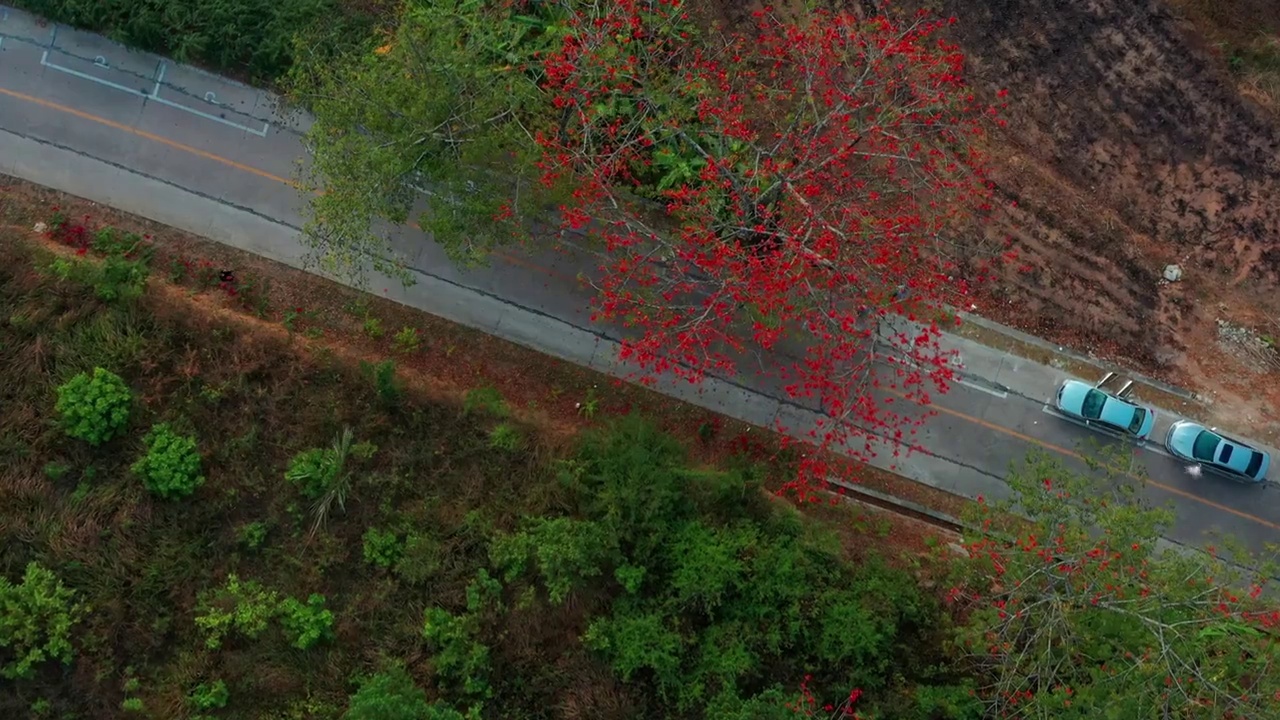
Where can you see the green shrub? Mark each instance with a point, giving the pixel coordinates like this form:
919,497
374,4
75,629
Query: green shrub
420,559
314,471
252,535
94,408
391,695
210,696
461,661
407,341
36,618
373,327
385,383
307,624
171,467
241,607
119,279
382,547
505,436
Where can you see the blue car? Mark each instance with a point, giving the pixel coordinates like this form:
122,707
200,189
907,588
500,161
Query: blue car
1214,451
1086,402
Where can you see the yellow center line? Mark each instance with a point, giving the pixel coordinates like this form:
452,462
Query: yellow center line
1073,454
147,136
547,271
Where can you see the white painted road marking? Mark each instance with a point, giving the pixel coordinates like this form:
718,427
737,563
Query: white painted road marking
153,95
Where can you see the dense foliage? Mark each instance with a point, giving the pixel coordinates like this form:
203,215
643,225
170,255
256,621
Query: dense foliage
1082,613
171,466
603,548
94,408
36,620
250,38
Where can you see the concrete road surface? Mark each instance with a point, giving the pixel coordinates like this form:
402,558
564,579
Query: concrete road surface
198,152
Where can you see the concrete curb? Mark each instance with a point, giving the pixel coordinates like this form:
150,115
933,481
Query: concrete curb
1043,344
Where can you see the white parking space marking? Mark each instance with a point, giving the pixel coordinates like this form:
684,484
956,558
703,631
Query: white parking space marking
154,95
990,391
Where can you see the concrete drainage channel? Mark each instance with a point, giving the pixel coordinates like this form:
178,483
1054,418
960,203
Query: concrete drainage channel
899,506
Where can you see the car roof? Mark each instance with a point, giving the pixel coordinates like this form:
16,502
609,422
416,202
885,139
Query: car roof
1117,411
1240,456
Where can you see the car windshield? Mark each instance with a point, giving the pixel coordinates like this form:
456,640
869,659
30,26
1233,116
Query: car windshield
1093,402
1255,464
1204,446
1139,417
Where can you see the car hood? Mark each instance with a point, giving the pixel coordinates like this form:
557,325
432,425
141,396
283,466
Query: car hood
1182,437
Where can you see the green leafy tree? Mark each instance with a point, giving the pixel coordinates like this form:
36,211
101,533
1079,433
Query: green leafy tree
391,695
1081,612
457,158
36,618
566,553
94,408
171,466
306,623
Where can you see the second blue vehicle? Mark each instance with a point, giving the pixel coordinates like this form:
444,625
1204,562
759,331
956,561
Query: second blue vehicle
1096,407
1214,451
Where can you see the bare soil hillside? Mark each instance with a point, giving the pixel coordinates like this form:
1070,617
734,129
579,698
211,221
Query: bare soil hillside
1139,135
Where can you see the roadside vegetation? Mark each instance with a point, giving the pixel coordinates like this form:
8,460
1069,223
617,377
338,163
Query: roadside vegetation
199,521
250,39
202,519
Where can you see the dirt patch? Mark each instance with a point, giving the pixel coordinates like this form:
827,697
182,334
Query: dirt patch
1130,147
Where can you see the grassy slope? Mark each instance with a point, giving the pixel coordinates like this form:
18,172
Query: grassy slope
252,403
253,399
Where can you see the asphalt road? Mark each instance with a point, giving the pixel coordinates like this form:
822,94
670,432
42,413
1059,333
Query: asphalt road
175,144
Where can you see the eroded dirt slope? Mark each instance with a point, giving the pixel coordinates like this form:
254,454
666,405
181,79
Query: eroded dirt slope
1128,148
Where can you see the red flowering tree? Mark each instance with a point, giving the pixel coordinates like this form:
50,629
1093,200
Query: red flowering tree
1084,611
766,200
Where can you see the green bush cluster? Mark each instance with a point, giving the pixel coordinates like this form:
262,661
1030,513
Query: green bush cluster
94,408
210,696
461,660
246,608
391,695
114,279
36,617
246,37
306,623
382,548
314,471
171,467
719,593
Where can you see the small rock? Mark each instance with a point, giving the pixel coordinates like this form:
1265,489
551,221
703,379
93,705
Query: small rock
1173,273
40,227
